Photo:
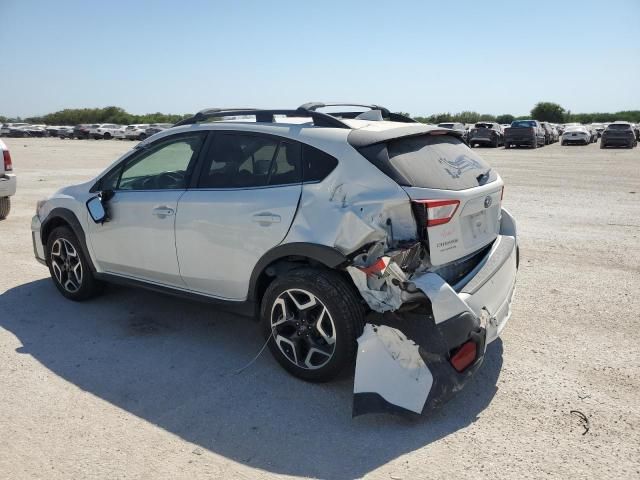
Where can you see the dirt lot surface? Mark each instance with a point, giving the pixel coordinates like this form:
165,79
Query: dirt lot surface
137,385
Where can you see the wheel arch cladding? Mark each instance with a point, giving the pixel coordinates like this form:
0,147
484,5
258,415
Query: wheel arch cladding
285,256
63,217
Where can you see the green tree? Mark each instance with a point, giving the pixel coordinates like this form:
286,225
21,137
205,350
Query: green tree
548,112
505,118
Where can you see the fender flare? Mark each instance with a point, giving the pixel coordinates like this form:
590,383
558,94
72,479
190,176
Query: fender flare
327,256
70,219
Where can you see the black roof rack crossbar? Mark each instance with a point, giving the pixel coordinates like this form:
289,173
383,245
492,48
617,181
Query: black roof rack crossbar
265,115
386,114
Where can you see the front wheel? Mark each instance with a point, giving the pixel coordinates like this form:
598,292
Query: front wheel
68,266
107,136
313,318
5,207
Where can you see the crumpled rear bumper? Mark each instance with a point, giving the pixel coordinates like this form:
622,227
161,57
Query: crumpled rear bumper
404,362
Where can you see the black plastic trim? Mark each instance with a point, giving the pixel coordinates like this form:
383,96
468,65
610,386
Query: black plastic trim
328,256
244,308
70,218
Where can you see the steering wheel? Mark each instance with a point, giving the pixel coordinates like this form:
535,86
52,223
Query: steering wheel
168,180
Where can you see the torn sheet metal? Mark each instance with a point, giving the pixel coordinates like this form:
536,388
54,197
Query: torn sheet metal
381,296
390,372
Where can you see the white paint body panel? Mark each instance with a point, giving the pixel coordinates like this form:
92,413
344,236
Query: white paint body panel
221,235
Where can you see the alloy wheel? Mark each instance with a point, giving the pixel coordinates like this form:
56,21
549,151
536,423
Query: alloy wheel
66,265
303,329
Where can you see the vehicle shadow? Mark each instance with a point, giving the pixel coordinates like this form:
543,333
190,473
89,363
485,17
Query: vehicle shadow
173,363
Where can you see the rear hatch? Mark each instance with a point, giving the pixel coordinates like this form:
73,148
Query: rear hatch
482,131
619,132
455,195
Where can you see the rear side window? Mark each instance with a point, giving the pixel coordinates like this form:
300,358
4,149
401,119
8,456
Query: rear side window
317,164
436,161
244,161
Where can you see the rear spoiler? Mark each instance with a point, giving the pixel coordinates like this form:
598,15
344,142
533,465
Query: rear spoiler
364,138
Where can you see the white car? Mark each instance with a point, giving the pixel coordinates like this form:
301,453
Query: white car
105,131
374,236
577,134
119,133
136,131
7,181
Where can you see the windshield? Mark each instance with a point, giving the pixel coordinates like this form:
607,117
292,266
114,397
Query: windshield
523,123
436,161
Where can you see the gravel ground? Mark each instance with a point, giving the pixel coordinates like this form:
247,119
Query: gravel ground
137,385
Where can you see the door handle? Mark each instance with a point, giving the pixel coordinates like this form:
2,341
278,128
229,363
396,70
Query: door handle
266,218
162,212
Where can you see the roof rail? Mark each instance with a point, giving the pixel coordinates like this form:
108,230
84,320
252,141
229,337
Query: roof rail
265,115
386,113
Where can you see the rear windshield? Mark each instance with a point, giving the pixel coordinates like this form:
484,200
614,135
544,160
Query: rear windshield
484,125
619,126
446,125
437,161
523,123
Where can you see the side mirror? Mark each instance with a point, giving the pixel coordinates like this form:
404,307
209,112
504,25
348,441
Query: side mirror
97,210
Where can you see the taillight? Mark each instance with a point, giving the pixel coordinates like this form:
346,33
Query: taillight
438,212
8,166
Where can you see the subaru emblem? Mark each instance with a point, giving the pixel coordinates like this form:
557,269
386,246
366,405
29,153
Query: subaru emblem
487,202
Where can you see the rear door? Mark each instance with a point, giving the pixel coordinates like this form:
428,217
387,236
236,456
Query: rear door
242,205
456,196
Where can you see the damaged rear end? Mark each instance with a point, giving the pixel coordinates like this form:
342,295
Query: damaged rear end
436,300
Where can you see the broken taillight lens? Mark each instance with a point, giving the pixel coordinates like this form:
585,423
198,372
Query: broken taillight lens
465,356
8,166
439,212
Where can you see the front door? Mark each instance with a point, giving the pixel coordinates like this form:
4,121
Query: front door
138,240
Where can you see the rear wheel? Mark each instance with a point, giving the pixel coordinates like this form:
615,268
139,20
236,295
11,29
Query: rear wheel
534,144
5,207
69,268
496,143
107,136
313,318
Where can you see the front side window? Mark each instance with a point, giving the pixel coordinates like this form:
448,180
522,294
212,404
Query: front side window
244,161
163,165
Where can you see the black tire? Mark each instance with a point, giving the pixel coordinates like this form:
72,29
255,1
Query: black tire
507,146
345,320
84,287
496,143
107,136
602,145
5,207
534,144
142,136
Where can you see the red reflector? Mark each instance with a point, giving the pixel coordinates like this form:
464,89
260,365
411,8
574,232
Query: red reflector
464,357
7,161
376,268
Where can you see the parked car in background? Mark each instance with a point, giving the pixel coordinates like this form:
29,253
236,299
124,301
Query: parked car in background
486,133
6,127
118,134
81,131
548,133
636,129
577,134
104,131
7,181
599,128
619,134
157,127
528,133
414,204
28,131
136,131
65,132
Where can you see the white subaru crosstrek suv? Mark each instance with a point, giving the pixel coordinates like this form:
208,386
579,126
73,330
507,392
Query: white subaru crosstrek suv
7,181
347,235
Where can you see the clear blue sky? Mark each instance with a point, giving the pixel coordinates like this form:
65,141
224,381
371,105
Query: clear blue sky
176,56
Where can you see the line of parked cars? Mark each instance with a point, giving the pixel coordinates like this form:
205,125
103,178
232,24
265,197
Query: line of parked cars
97,131
534,134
